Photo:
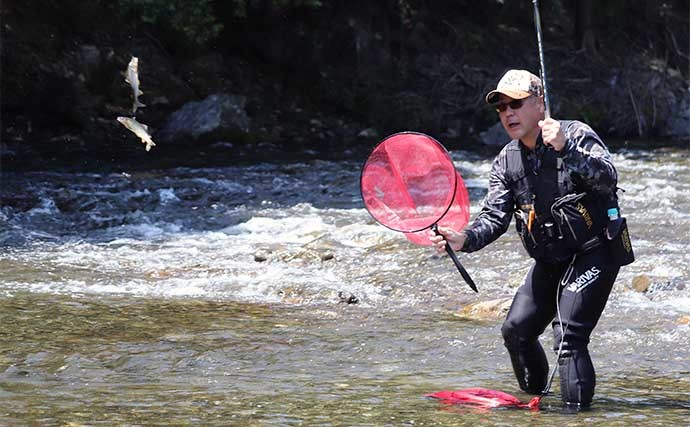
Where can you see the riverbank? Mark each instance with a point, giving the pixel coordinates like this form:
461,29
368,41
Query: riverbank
306,90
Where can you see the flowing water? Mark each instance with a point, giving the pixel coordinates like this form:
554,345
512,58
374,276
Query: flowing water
265,295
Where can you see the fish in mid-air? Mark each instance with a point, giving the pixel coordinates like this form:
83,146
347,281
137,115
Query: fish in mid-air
139,129
132,77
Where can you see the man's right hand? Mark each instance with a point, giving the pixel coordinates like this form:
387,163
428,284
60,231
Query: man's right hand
447,235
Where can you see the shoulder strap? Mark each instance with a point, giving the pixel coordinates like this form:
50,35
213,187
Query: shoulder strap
514,164
544,178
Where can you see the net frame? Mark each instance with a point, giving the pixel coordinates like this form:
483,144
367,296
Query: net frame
444,157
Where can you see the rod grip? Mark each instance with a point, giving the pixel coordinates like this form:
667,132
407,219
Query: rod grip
465,275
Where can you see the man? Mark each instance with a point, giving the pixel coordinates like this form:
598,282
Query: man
557,179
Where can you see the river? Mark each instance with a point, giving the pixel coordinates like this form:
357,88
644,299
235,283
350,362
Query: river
265,295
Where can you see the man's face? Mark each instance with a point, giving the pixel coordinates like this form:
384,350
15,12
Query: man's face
522,122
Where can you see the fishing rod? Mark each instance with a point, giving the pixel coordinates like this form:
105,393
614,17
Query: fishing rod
537,24
547,114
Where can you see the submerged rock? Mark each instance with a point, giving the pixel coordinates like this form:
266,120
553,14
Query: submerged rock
291,295
485,310
262,255
348,298
641,283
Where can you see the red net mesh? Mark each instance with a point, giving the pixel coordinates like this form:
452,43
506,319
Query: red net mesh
409,182
483,398
456,218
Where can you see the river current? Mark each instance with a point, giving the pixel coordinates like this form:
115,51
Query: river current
265,295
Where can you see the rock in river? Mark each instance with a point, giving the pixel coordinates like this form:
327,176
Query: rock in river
486,310
216,114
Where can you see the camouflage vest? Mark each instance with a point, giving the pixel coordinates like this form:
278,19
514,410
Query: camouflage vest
553,218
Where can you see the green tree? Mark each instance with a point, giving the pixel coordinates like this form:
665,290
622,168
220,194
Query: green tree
194,19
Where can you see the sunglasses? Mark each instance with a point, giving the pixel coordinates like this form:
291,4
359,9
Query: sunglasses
515,104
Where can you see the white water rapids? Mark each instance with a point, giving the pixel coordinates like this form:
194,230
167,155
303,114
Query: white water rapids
297,238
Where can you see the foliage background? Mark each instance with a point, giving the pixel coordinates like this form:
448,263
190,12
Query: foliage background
338,66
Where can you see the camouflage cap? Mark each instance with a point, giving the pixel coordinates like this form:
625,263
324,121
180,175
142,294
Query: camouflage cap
517,84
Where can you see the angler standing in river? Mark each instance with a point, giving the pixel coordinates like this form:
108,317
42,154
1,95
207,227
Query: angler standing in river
558,181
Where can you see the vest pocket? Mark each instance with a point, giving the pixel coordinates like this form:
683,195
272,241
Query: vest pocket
619,243
577,219
531,241
540,240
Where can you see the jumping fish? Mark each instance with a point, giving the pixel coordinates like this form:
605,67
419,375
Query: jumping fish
132,77
139,129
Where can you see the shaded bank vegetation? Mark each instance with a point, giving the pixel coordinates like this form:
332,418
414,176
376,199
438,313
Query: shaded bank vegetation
327,75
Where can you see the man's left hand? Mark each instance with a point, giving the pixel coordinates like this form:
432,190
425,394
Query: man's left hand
552,134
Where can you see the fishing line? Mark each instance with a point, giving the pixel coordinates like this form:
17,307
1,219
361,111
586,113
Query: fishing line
559,293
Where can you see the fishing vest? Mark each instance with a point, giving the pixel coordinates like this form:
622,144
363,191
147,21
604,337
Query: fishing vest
553,218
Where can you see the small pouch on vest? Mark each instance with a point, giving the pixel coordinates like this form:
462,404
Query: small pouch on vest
575,221
529,239
537,241
619,243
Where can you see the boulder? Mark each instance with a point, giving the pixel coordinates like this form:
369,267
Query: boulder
678,124
486,310
262,254
495,135
348,298
641,283
218,113
88,60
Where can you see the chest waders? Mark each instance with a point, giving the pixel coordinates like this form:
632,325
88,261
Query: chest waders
562,229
